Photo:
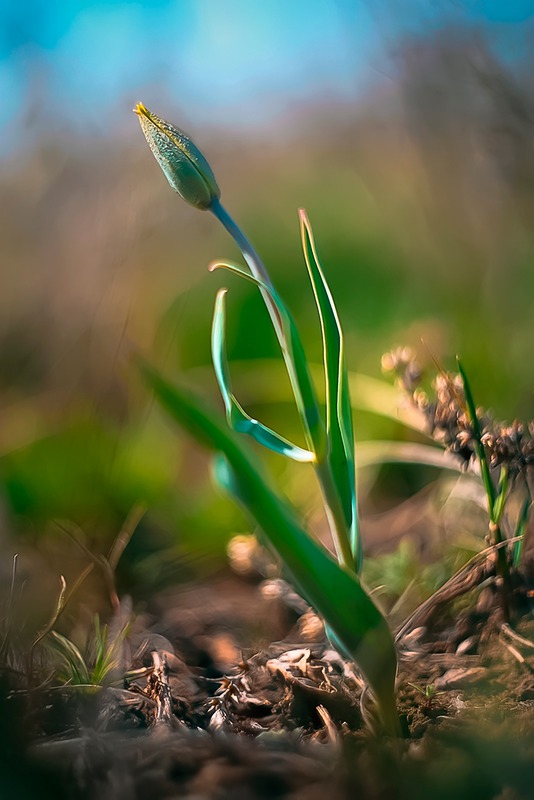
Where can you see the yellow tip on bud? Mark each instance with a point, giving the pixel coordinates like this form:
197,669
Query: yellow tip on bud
140,110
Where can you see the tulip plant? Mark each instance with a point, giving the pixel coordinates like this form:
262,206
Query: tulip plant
330,584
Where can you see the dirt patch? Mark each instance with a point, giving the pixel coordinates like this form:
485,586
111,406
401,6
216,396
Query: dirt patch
216,710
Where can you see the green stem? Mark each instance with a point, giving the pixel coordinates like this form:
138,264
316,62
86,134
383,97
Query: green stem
496,535
251,256
303,389
336,515
285,333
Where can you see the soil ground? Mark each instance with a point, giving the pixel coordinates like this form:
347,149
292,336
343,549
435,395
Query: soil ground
239,695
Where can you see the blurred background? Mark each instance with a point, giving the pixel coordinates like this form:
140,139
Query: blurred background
406,131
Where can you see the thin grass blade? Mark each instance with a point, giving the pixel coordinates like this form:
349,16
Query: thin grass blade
76,668
489,487
479,447
101,644
502,492
520,530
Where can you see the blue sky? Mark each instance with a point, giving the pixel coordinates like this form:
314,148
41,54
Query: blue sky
229,61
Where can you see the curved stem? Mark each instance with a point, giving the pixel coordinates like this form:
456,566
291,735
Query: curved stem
301,382
256,265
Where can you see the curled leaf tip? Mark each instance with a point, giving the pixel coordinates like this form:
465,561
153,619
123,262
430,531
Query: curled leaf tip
184,166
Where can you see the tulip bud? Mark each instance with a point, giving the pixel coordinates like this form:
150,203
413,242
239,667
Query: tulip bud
183,164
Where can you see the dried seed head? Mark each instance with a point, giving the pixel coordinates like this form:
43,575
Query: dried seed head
448,422
420,399
402,362
182,163
511,445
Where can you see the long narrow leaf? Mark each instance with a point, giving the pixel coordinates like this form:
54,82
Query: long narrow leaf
500,500
520,530
294,358
390,452
489,487
236,416
339,428
479,447
231,267
263,380
76,667
335,593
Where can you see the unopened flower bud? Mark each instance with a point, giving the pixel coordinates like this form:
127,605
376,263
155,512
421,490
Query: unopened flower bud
183,164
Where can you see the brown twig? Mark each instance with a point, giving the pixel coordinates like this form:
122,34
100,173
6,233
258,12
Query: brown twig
471,575
159,690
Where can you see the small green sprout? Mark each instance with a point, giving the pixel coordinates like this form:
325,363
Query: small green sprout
331,585
100,666
429,692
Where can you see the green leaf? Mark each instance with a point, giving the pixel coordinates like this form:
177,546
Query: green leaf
339,428
231,267
520,531
294,359
479,447
500,500
236,416
491,493
263,380
335,593
77,672
390,452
